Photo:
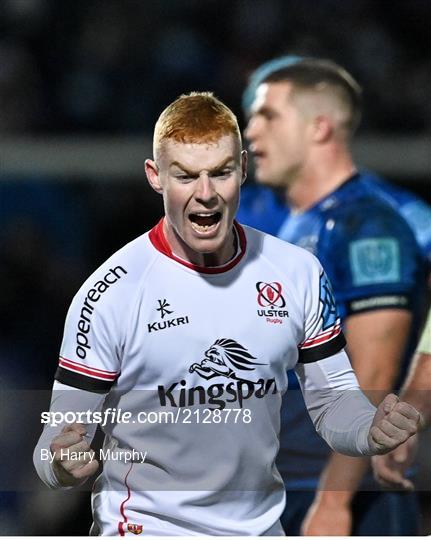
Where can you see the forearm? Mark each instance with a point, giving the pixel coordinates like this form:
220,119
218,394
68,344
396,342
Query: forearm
417,388
341,479
341,414
376,364
345,423
64,399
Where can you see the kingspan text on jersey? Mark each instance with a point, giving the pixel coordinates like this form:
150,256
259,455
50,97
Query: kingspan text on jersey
178,395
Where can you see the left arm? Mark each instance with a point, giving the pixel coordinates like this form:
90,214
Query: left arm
376,361
390,469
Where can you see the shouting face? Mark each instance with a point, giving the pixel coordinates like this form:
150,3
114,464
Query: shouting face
200,185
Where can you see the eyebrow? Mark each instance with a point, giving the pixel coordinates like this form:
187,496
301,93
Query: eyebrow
263,109
216,168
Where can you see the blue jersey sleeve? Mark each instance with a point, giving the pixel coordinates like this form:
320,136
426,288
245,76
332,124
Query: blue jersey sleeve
371,257
414,210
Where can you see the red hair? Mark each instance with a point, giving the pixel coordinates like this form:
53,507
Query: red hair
198,117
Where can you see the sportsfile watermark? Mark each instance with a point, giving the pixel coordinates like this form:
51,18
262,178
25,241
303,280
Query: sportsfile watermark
196,443
112,415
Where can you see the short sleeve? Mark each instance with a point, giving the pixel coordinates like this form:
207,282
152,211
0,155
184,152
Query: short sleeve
418,215
323,335
374,260
89,354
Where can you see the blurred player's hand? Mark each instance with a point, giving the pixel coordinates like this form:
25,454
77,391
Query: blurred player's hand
394,422
73,458
390,469
324,519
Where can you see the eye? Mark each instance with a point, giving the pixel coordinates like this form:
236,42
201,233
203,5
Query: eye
222,173
184,178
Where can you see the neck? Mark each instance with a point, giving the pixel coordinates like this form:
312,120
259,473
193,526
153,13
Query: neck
318,179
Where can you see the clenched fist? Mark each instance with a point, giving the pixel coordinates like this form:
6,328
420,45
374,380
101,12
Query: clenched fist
73,458
394,422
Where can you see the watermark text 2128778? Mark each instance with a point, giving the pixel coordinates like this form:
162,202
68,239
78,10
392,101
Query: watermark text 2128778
182,415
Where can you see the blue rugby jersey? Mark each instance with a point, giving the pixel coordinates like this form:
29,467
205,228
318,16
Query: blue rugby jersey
373,261
263,209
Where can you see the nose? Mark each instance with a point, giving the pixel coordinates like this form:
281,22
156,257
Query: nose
252,129
205,192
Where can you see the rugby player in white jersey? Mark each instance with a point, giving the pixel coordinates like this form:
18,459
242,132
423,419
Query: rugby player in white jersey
200,319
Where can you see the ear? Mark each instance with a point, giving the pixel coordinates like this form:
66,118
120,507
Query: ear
323,128
153,176
244,161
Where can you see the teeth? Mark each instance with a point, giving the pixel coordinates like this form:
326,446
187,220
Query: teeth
201,228
205,215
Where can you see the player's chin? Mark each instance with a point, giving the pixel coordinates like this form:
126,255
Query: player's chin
207,245
263,177
210,241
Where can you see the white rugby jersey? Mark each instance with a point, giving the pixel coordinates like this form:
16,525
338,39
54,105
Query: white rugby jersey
205,350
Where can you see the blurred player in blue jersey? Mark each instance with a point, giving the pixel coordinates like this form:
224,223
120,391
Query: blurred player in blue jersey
302,116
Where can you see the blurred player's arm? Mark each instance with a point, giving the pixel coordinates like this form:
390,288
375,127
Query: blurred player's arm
417,388
376,341
390,470
63,457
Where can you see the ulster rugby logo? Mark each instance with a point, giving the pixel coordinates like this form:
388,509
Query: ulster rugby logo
271,295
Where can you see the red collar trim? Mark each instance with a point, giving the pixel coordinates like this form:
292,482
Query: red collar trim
159,241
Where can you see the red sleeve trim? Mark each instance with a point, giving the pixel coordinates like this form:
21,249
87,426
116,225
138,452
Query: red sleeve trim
321,338
86,370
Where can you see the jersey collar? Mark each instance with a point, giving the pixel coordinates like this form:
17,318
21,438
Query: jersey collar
159,241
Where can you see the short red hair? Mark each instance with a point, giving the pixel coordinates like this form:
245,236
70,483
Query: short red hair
198,117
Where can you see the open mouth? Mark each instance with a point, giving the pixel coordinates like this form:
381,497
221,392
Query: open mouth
205,222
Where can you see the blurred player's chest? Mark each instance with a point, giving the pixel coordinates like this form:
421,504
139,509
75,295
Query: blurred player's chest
242,325
303,230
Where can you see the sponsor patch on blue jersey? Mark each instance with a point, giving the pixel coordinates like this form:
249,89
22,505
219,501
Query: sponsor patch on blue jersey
374,261
329,307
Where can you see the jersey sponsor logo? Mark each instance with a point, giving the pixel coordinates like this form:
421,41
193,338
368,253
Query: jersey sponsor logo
225,358
270,295
92,297
171,323
374,261
329,307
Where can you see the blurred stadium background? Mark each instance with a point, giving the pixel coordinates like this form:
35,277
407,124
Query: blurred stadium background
81,85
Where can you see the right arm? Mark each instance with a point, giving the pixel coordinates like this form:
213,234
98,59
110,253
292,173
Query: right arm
60,440
89,365
341,413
